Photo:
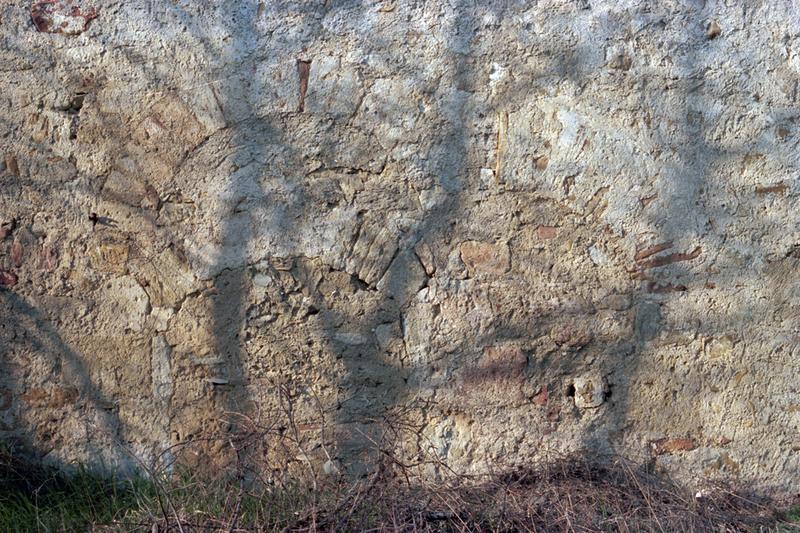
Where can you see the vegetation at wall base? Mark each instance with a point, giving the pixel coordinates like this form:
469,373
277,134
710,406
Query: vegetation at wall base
570,494
37,498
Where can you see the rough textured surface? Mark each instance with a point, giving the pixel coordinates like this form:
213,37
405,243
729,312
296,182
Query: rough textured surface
519,227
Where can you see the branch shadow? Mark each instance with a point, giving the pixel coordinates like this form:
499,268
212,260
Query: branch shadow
359,303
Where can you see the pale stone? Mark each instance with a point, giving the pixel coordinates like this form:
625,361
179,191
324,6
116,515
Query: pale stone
598,256
384,334
162,369
169,279
589,391
487,178
262,280
425,255
353,339
125,304
161,317
720,348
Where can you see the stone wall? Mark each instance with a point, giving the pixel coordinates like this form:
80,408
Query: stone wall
512,228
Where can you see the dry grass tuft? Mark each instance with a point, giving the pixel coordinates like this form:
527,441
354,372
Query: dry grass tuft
571,494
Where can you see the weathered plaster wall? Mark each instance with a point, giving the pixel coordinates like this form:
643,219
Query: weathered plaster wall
516,227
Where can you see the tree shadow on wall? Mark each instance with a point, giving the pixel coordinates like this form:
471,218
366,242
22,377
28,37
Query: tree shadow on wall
355,312
375,376
659,274
59,397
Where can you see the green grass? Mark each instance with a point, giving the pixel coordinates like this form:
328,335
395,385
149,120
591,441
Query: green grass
71,503
34,498
586,496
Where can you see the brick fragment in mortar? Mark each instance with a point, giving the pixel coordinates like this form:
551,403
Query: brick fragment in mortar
498,377
485,258
669,446
69,18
